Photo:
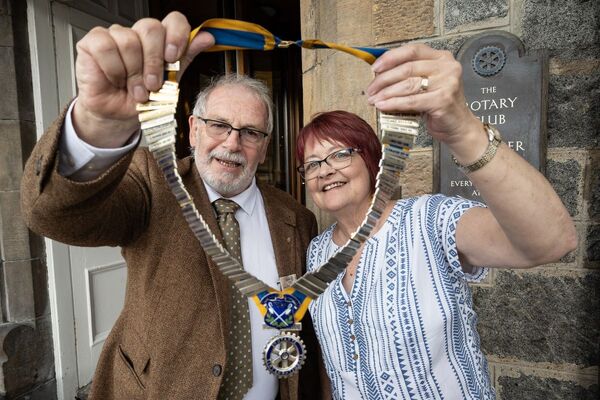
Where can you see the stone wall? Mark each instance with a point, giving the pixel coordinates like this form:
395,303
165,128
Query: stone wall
26,355
539,328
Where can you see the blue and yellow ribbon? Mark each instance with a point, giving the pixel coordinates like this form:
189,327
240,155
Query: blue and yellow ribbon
231,34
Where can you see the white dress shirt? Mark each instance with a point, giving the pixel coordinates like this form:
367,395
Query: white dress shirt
80,161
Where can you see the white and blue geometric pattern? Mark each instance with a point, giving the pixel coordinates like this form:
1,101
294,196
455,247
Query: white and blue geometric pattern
407,329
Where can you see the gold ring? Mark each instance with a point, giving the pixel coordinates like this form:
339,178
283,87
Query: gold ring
424,84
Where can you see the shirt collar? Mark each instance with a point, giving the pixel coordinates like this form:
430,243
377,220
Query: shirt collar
246,199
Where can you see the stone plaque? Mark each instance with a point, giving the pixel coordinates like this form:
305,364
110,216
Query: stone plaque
504,87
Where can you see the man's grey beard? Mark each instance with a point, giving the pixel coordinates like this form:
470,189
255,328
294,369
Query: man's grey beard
226,184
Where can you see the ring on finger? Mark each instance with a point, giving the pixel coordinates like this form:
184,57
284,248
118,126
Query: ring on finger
424,84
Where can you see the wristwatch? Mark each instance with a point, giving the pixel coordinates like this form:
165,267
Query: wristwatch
494,141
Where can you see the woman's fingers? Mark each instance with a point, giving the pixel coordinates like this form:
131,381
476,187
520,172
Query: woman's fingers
400,55
419,79
431,86
402,86
443,64
416,102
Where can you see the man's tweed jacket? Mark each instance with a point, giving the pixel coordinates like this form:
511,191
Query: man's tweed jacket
169,340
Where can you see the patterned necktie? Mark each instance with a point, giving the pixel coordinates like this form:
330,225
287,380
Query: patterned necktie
237,378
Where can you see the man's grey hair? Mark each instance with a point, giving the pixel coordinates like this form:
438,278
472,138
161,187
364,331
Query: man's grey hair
258,87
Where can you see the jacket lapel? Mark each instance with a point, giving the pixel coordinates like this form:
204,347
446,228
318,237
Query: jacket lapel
282,226
221,283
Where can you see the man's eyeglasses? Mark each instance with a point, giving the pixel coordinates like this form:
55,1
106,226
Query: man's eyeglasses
337,160
220,130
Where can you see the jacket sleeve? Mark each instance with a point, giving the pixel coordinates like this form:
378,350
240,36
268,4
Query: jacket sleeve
108,211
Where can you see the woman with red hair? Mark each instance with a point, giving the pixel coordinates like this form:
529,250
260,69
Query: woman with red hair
399,322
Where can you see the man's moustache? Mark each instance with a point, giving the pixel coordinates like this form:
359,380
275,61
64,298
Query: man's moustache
231,157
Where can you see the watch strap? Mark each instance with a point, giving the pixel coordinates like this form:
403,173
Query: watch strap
488,155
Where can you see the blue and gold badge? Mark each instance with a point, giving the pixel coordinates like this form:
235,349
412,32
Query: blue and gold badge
282,309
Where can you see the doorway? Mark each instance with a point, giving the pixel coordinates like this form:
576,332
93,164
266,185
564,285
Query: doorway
279,69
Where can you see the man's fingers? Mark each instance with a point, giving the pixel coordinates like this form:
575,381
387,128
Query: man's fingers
130,49
135,58
201,42
177,46
152,37
99,47
177,30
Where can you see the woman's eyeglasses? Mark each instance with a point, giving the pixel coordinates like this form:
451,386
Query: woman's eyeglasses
337,160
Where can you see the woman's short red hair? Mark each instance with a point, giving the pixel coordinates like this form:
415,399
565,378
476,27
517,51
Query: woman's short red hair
347,129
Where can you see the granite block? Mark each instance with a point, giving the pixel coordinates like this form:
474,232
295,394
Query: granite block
536,388
538,318
574,111
464,12
565,178
565,24
395,21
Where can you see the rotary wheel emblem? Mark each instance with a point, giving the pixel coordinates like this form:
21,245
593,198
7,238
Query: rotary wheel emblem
489,61
284,354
